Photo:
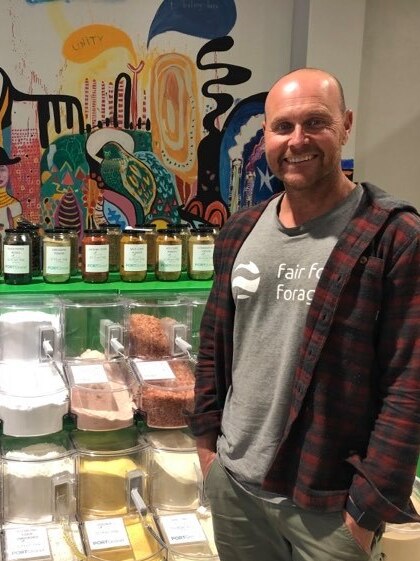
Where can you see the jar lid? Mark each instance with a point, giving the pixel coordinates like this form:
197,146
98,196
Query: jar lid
134,230
111,226
58,230
178,227
68,228
170,230
147,226
95,231
202,230
27,228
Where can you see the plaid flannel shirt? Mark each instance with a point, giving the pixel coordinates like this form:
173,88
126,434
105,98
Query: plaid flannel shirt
354,421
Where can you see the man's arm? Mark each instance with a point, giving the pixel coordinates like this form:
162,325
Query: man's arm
383,481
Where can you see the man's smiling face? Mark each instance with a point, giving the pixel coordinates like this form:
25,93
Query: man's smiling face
305,128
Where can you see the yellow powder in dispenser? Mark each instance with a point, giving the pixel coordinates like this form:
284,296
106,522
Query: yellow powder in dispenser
102,486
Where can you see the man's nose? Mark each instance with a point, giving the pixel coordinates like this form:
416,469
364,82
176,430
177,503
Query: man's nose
297,137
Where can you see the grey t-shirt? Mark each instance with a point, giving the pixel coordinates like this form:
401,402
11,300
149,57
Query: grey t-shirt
273,281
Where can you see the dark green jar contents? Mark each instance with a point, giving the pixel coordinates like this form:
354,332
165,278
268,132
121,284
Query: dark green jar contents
17,264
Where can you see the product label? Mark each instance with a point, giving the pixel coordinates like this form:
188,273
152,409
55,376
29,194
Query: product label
156,370
106,533
97,258
169,258
16,259
57,260
135,257
202,257
183,528
27,542
89,374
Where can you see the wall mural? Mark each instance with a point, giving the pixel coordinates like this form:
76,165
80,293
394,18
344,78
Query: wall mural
135,131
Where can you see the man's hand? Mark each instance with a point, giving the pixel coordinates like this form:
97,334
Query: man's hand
361,536
206,449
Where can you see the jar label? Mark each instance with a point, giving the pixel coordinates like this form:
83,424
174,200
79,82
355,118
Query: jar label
135,257
154,370
169,258
202,257
57,260
183,528
27,542
16,259
106,533
97,258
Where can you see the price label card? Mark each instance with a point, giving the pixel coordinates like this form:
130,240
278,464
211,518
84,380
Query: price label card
154,370
89,374
182,528
106,533
27,542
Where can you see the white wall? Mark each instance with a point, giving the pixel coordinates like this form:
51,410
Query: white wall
335,38
388,133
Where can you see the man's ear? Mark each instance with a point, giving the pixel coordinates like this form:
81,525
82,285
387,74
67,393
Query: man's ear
348,123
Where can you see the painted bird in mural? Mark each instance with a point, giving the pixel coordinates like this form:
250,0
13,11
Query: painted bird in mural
127,175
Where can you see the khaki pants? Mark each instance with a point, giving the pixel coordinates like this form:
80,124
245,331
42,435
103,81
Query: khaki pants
248,528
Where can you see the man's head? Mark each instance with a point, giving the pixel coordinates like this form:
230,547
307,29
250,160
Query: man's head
306,125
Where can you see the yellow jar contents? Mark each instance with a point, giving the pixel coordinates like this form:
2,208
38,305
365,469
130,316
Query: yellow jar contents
103,485
56,256
168,255
200,254
133,255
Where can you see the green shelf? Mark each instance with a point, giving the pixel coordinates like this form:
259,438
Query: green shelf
113,286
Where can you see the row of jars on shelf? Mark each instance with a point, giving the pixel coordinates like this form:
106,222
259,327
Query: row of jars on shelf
131,252
134,495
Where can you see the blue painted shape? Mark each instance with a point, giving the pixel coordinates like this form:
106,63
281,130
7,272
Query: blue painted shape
207,19
42,1
347,164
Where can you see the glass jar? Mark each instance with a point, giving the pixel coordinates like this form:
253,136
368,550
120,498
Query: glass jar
214,227
95,256
184,233
56,252
33,231
113,232
168,255
17,253
200,254
73,234
133,255
150,235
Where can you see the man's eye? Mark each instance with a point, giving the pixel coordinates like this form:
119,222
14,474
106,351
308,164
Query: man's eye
282,128
315,124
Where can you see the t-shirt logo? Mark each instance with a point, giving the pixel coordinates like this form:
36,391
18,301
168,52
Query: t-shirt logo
245,282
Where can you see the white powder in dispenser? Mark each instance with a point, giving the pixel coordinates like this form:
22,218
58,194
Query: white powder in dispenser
28,481
19,333
33,399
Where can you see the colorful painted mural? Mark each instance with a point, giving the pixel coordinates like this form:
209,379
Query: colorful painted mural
132,123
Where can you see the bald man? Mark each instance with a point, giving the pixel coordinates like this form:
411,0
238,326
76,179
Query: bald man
307,410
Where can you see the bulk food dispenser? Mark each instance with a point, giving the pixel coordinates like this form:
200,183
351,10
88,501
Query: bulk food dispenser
38,499
177,496
34,395
113,474
159,333
102,385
